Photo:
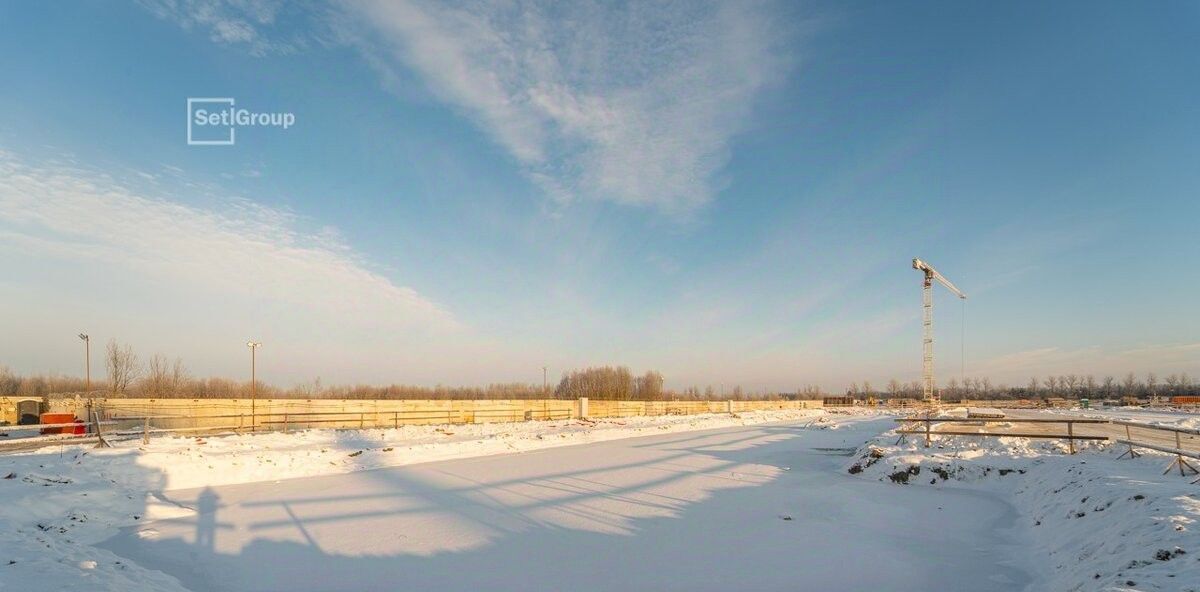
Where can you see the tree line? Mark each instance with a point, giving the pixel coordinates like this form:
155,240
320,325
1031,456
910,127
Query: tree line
161,377
126,375
1064,386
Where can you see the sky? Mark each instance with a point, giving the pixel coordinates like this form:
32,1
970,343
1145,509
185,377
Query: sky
728,192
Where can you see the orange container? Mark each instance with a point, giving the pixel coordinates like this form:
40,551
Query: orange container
58,418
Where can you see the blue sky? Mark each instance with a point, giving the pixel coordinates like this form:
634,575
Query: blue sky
730,193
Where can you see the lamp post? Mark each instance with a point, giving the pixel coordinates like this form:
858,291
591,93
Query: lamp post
87,359
253,345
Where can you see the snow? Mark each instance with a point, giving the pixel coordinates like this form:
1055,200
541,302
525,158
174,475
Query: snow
1093,521
61,500
761,507
756,501
1165,417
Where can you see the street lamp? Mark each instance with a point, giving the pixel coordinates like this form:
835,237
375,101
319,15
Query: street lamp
87,359
253,345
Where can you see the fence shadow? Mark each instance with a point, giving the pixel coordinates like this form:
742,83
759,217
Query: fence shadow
727,509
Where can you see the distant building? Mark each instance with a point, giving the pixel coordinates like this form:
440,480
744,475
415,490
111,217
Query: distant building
838,401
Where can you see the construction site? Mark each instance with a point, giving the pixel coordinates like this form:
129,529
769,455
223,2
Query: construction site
704,296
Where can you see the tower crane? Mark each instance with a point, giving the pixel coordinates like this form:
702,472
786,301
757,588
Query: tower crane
927,341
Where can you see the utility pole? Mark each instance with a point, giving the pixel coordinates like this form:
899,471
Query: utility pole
87,359
253,345
545,384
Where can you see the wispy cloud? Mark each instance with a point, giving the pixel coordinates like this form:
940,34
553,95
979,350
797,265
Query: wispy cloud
635,103
247,23
1163,358
241,249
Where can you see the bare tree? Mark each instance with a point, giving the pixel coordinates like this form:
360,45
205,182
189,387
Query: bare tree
156,383
1172,381
893,388
180,377
1128,385
122,365
604,382
9,383
1152,383
1109,387
1033,387
649,386
309,390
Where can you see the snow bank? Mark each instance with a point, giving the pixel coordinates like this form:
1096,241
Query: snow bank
1163,417
1095,522
57,502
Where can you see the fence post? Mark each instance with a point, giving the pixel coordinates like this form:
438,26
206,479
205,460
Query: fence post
583,407
1129,441
102,443
1179,457
285,423
1071,436
729,407
146,430
396,420
928,428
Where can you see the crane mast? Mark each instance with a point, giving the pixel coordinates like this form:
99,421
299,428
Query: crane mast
930,274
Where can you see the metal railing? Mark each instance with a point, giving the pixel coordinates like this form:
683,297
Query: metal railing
1185,468
1070,436
1178,450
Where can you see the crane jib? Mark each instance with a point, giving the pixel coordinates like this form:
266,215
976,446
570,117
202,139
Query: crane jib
930,274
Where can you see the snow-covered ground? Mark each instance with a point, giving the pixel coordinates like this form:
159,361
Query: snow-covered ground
57,502
1093,521
763,507
759,501
1167,417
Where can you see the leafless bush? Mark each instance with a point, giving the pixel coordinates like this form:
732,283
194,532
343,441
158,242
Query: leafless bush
164,378
610,382
9,383
122,365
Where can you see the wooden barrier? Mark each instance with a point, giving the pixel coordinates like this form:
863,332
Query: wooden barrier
359,413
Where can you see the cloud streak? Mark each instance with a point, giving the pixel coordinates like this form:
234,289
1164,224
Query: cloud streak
241,250
636,104
252,24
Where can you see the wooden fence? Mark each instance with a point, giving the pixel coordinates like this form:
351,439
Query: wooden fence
357,413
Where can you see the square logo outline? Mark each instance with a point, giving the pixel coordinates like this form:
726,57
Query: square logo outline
190,141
